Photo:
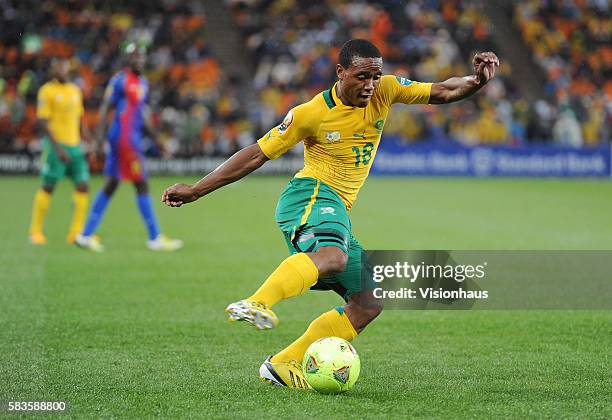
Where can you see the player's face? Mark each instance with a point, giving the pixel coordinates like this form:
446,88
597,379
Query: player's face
62,70
359,81
137,61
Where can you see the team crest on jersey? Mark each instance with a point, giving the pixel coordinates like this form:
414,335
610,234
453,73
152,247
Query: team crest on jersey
286,123
403,81
379,124
332,136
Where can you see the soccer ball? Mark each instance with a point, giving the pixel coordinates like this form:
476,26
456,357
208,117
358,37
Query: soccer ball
331,365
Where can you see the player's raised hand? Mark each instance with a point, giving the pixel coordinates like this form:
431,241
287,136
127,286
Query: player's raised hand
484,64
178,194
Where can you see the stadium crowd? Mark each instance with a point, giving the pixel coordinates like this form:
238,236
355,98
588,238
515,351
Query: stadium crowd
426,40
294,44
571,41
194,109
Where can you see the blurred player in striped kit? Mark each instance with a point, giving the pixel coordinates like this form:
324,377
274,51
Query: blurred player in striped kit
127,92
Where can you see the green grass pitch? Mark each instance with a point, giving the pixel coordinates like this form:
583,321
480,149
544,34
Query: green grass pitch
131,333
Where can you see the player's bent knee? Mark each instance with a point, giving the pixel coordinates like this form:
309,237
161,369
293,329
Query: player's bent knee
329,260
48,188
340,260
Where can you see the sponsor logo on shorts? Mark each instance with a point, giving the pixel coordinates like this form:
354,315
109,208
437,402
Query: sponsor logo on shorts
328,210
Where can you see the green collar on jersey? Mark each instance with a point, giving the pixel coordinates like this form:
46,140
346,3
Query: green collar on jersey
329,98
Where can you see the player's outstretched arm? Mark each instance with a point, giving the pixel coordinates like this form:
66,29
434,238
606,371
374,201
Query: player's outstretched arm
457,88
238,166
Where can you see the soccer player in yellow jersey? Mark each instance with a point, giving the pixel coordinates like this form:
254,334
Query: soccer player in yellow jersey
59,112
341,129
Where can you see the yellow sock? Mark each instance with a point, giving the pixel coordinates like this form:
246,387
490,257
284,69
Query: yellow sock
333,323
42,200
293,277
81,201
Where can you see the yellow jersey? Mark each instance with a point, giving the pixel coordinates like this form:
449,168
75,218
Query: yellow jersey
340,141
61,104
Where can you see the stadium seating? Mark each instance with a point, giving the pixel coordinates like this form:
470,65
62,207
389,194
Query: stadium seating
570,41
424,40
188,95
198,111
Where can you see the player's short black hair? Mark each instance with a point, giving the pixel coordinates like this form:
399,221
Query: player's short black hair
357,48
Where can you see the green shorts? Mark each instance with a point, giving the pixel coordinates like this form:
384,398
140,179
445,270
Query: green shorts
312,215
53,168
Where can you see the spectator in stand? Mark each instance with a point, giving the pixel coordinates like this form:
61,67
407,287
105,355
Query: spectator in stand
417,38
566,131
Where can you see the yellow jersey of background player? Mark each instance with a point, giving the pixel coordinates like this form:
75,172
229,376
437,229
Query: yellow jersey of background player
61,104
59,113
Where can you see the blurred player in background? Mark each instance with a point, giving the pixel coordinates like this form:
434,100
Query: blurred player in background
59,112
127,92
341,129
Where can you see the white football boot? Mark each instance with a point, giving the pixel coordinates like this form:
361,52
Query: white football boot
255,313
163,243
91,243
